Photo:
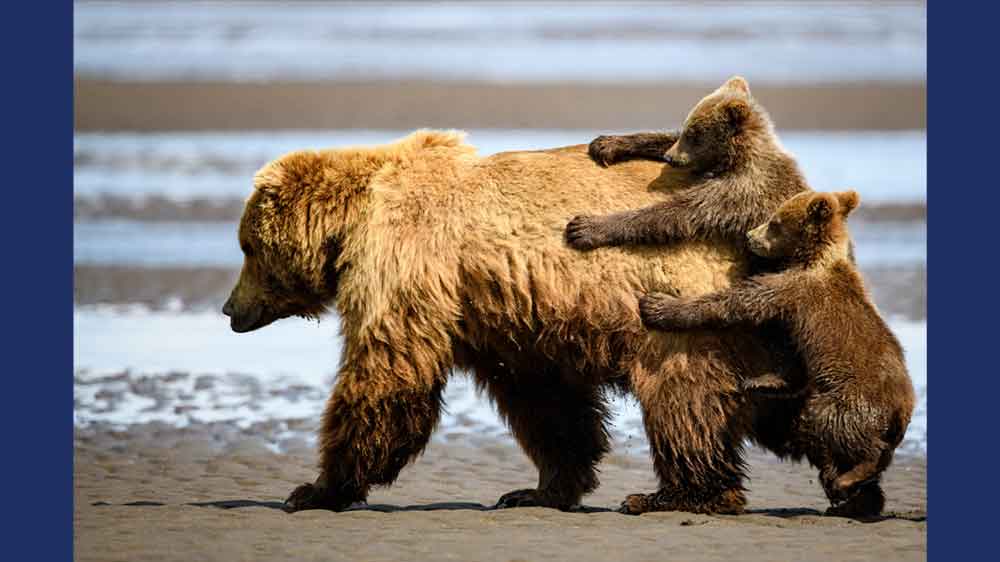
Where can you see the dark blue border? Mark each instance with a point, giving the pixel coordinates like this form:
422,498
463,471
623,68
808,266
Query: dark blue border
963,145
963,185
37,277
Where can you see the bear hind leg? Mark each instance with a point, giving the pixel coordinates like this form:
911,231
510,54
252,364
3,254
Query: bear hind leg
698,456
563,430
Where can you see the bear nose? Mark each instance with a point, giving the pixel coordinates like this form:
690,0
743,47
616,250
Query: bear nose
227,308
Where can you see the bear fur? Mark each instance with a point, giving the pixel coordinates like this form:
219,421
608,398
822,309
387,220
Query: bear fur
737,174
436,258
859,397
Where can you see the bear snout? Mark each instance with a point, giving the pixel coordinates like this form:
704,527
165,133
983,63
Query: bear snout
244,319
227,308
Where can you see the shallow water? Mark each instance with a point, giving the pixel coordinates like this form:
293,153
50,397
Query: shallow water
882,166
161,244
135,366
777,43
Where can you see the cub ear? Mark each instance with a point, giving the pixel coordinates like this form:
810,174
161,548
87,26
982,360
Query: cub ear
737,112
737,83
820,208
848,201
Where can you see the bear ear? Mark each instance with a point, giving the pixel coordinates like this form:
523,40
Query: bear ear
738,84
820,208
737,112
268,181
848,201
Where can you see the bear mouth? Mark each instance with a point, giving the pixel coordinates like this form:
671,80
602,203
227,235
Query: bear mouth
250,321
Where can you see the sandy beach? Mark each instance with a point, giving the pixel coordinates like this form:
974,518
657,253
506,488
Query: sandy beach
213,492
101,104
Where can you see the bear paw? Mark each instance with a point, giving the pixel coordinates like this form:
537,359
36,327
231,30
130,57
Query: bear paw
654,309
310,496
519,498
604,150
866,503
585,232
635,504
529,498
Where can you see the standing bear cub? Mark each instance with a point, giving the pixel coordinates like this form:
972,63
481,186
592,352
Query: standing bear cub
859,397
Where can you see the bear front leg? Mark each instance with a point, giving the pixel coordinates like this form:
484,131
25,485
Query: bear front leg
563,430
372,427
606,150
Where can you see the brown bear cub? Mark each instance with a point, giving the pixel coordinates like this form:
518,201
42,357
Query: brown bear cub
859,397
737,175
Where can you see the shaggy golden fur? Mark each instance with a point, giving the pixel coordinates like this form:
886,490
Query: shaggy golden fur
437,258
858,395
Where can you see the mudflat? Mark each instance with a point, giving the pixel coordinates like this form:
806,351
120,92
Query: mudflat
214,492
101,104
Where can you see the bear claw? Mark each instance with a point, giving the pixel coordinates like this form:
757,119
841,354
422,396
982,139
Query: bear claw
602,150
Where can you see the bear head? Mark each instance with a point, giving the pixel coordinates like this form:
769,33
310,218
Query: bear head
724,130
807,227
289,243
298,225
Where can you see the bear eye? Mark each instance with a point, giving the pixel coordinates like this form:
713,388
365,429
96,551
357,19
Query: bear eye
775,228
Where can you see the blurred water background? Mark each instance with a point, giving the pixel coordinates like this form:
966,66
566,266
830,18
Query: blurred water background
177,104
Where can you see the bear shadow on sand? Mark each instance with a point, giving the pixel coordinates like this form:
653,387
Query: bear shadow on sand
780,512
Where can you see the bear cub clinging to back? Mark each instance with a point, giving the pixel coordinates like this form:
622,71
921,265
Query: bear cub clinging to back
860,397
736,175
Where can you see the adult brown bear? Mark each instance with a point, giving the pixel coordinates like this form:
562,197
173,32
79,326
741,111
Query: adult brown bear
437,258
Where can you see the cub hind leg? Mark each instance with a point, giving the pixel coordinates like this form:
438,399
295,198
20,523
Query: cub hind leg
857,491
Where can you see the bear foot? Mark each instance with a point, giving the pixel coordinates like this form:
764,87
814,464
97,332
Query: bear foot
529,498
728,502
310,496
866,503
635,504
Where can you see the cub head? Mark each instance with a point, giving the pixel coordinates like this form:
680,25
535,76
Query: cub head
722,131
806,227
289,241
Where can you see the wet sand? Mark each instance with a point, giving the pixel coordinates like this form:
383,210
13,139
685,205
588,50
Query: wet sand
213,492
406,104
